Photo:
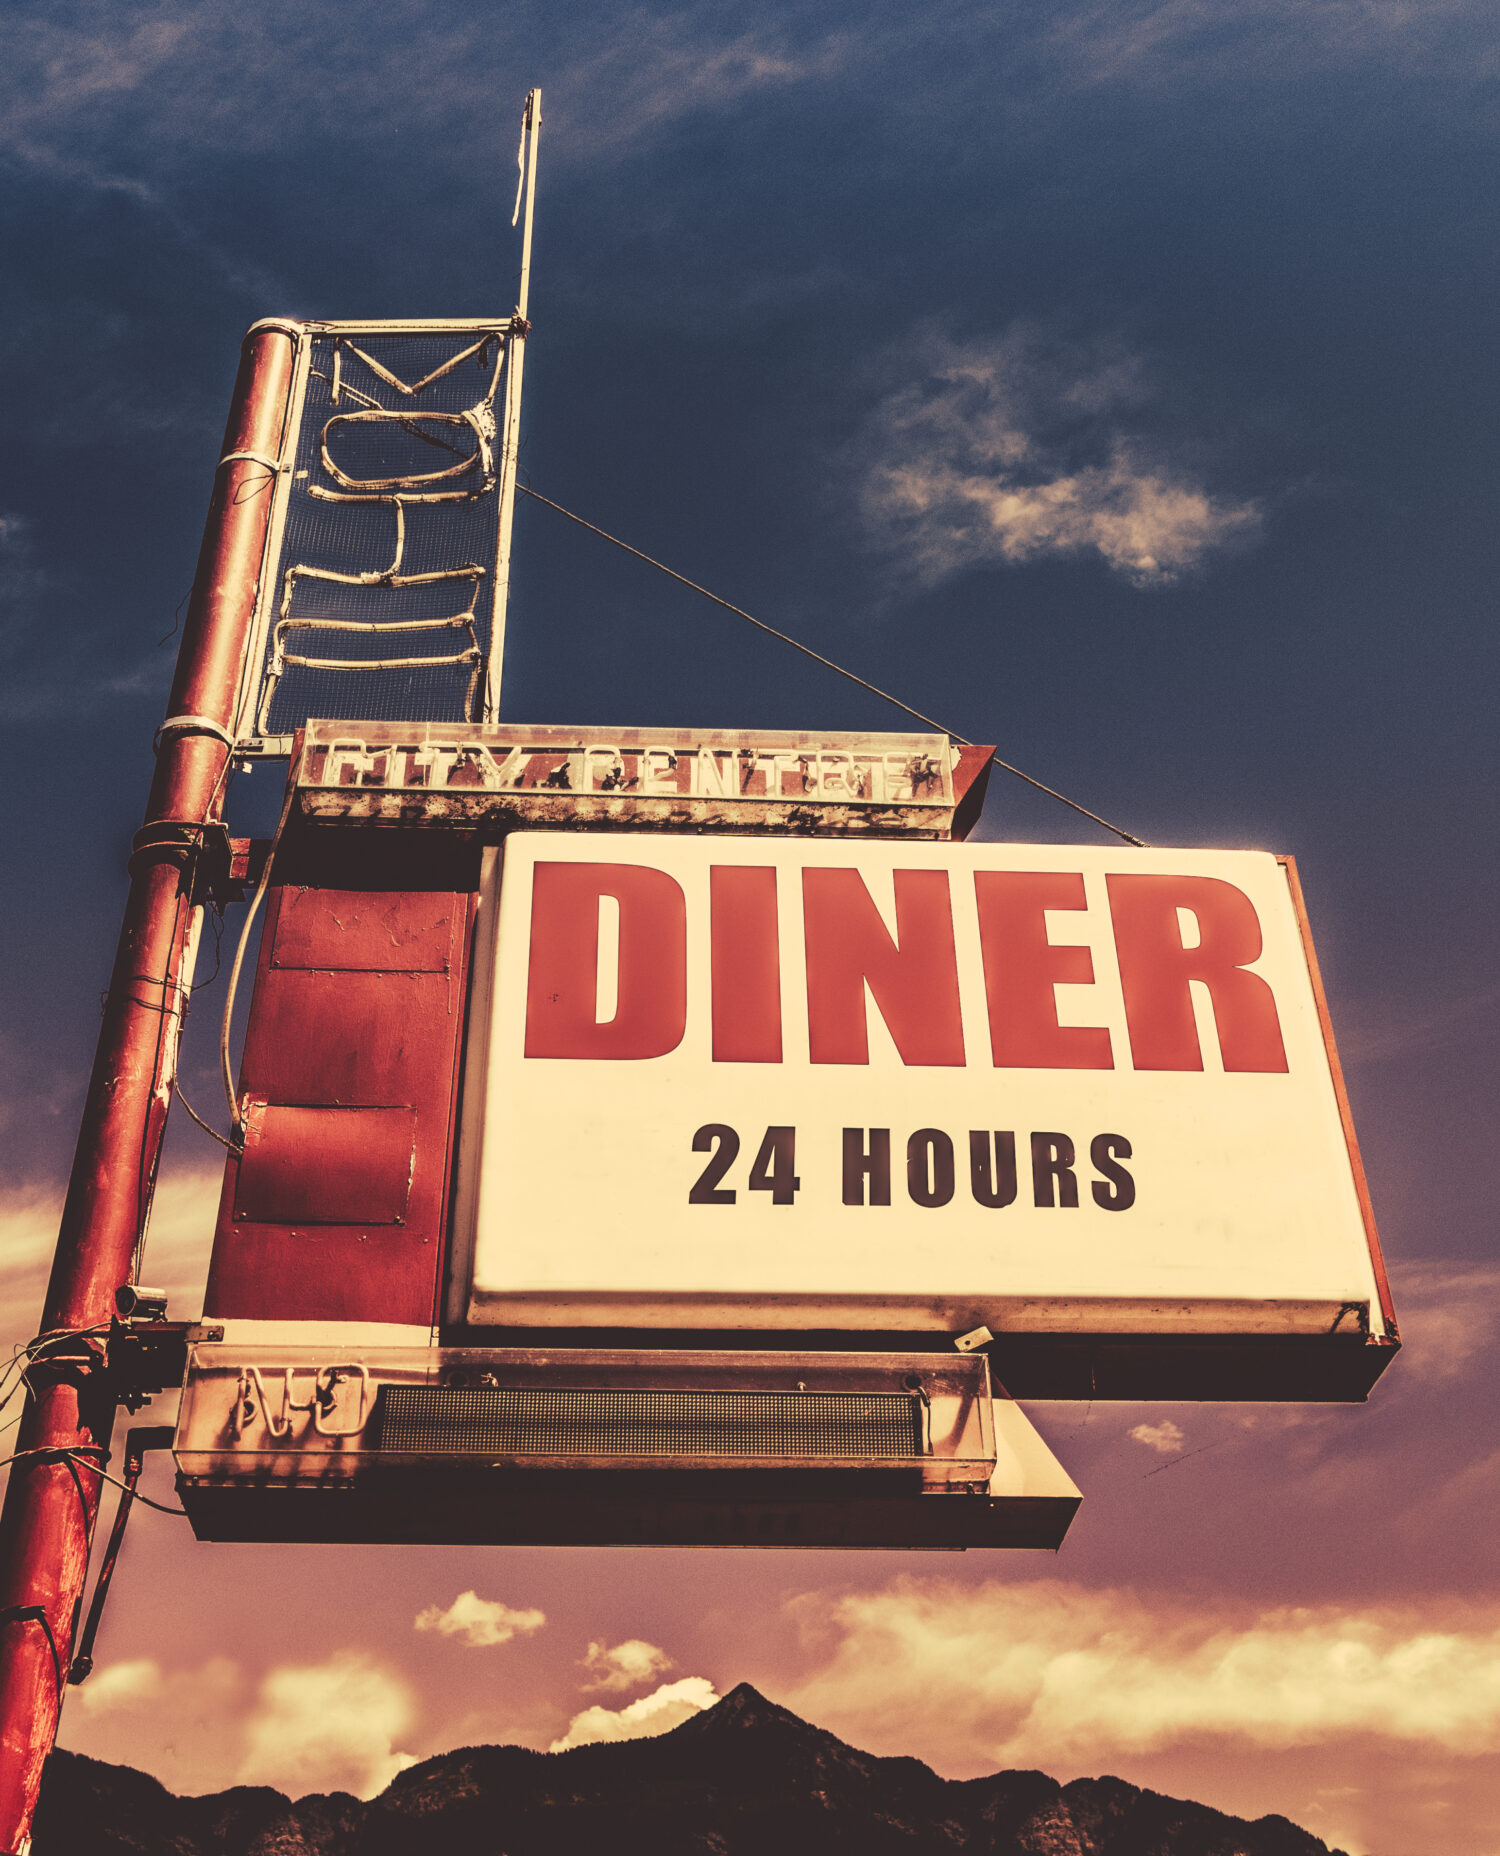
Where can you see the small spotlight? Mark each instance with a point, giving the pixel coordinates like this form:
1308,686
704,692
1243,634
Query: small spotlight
137,1303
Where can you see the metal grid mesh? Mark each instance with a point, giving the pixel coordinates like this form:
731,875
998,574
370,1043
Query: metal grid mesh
536,1421
379,602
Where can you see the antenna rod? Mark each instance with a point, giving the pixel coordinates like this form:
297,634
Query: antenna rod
531,122
515,360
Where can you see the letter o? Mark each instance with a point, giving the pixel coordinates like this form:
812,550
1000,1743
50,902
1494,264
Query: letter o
929,1167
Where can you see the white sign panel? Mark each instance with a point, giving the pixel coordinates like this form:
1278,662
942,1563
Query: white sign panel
789,1083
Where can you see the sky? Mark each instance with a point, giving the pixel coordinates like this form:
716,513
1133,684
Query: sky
1116,383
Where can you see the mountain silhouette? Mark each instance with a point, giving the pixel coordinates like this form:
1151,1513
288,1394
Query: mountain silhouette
744,1778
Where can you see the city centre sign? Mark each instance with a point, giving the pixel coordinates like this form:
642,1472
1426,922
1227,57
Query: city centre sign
436,774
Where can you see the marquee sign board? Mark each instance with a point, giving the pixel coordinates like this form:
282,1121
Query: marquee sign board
898,1088
664,778
579,1447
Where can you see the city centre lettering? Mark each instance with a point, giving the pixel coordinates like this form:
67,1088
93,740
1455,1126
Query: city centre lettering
917,773
911,976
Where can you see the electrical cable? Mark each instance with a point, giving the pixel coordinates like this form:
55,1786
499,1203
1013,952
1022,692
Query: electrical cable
135,1494
31,1351
235,1120
176,999
73,1458
1177,1461
57,1452
182,936
826,662
217,930
222,1139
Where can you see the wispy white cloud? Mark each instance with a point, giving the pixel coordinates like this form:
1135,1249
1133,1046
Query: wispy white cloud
333,1725
1156,44
664,1708
189,75
1165,1438
141,1686
627,1665
651,70
1450,1317
1380,1027
1019,447
480,1622
211,76
1047,1672
179,1239
330,1726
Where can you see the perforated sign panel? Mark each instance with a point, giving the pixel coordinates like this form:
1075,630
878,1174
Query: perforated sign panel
908,1086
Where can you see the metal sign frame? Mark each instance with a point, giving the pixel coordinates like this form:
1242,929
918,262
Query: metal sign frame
509,332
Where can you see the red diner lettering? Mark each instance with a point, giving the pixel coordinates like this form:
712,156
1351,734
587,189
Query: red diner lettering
1022,968
563,978
746,961
1156,970
913,978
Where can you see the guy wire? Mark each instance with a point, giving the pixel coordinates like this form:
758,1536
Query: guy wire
827,662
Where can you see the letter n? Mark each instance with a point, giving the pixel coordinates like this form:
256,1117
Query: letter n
913,978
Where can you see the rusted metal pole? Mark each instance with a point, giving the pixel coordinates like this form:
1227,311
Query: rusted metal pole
53,1497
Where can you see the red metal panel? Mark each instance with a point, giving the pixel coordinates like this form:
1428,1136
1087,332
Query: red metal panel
357,1065
326,1165
971,778
354,931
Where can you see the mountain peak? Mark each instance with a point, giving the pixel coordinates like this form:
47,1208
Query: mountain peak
746,1774
745,1706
